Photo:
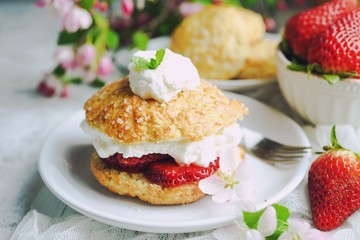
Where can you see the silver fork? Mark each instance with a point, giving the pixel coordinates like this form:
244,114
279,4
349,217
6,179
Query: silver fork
272,151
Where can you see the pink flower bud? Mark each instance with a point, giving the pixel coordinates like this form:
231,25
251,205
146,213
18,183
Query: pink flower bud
127,7
76,18
105,67
85,55
41,3
66,57
51,86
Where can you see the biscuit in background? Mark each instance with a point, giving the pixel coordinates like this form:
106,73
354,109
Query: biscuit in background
217,39
260,62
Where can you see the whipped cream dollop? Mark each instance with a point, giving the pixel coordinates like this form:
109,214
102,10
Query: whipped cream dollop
200,153
174,74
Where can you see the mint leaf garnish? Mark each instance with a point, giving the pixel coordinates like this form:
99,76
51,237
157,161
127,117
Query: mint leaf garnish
140,62
160,56
143,64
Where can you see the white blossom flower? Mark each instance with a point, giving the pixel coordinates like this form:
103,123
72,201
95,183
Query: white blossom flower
228,184
240,231
299,229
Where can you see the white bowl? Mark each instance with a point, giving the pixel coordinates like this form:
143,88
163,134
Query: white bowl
316,100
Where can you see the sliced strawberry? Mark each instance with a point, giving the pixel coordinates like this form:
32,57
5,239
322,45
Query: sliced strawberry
334,186
337,48
133,164
301,28
168,173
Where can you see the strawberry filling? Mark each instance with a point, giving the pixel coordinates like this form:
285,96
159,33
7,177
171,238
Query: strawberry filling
161,169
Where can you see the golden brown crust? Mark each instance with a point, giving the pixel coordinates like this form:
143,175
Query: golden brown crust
260,63
116,111
136,185
216,39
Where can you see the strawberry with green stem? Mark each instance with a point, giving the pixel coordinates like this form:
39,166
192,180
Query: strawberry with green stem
303,27
337,49
334,185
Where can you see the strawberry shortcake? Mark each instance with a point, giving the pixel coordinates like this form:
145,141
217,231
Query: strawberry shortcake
159,131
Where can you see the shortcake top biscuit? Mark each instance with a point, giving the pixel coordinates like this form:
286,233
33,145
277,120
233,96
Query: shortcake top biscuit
116,111
216,39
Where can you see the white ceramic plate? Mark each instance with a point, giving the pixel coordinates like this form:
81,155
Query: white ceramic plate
64,167
123,56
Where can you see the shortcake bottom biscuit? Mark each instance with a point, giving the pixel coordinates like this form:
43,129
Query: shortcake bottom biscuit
136,185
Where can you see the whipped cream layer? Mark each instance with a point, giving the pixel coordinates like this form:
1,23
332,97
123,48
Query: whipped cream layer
184,152
175,73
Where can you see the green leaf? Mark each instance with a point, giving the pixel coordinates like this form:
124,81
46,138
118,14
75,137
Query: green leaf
70,38
86,4
252,218
160,56
75,80
112,39
140,62
331,78
297,67
59,71
97,83
282,213
140,40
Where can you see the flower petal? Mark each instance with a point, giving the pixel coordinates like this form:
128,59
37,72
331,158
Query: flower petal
285,236
252,234
224,195
244,170
211,185
267,223
245,191
229,160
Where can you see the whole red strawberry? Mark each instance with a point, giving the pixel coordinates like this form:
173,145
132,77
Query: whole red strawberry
334,186
301,28
337,48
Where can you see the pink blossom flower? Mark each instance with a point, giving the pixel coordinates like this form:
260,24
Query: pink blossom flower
127,7
76,18
66,57
229,184
187,8
105,67
85,55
